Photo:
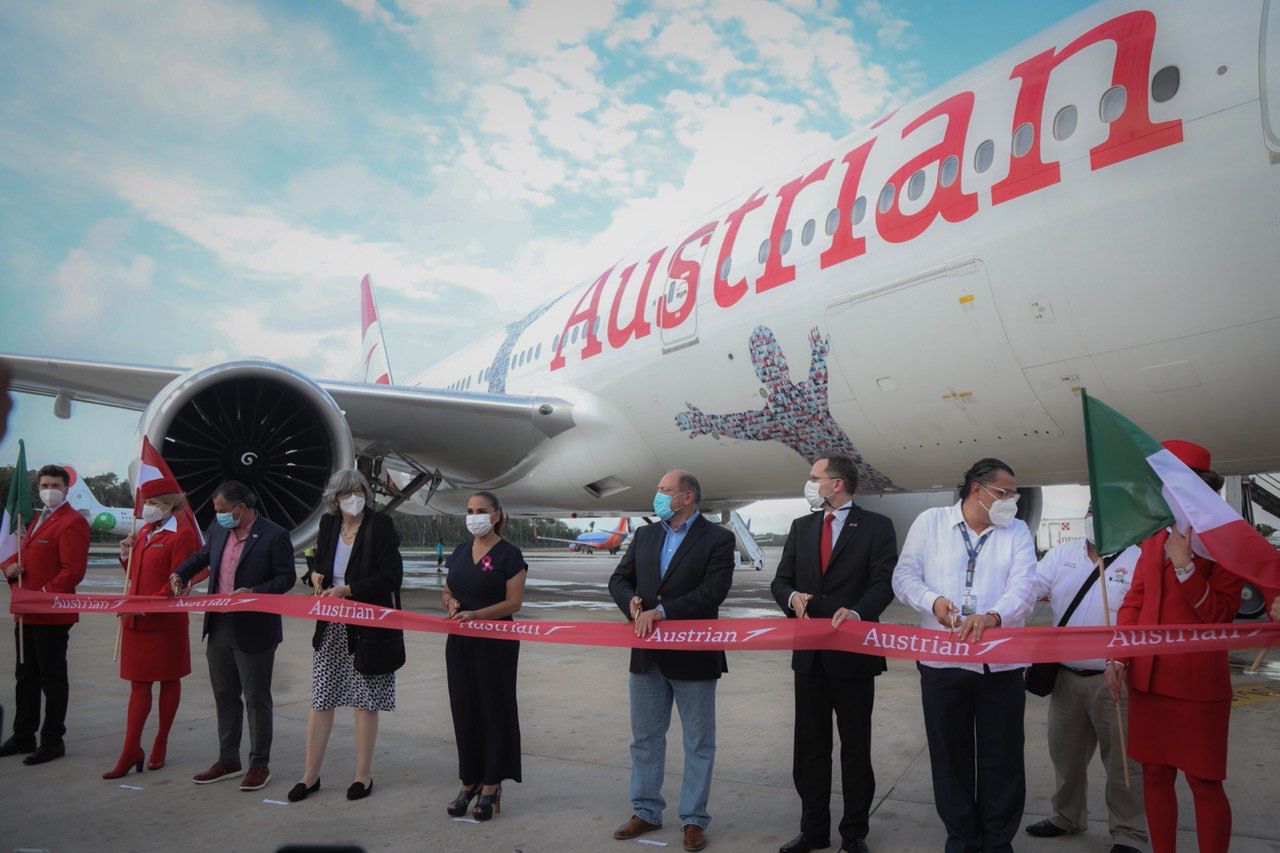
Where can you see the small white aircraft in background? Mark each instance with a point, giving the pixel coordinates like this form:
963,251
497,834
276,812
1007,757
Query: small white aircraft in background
1095,207
105,519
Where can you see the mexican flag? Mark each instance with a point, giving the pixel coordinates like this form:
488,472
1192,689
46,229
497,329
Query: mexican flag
1139,487
16,506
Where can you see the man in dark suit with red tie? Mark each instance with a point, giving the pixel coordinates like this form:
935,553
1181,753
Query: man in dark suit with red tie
837,564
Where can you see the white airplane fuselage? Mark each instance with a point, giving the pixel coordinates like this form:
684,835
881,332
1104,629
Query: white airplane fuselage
1125,243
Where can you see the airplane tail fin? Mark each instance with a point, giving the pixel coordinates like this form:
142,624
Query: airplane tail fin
623,524
376,367
78,494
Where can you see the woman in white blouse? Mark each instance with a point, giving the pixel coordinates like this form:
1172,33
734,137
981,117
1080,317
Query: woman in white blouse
968,568
357,557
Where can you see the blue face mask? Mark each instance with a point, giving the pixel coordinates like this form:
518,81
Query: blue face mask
662,506
227,520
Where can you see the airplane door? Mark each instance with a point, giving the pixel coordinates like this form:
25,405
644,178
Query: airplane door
677,310
928,360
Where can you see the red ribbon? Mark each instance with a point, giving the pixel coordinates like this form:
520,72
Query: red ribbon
998,646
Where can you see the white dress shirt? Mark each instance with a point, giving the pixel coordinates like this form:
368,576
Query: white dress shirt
1060,574
341,556
837,527
933,563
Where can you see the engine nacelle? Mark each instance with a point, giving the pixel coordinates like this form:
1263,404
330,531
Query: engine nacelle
267,426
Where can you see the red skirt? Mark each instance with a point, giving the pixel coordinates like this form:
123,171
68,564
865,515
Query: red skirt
1191,736
163,655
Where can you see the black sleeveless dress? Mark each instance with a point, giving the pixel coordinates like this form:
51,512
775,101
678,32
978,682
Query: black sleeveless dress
482,671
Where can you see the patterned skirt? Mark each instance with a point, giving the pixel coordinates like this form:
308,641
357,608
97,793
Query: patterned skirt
335,682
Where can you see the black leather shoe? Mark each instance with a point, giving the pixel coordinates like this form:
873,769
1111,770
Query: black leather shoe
1124,848
358,790
1046,829
46,753
17,746
855,846
803,843
301,791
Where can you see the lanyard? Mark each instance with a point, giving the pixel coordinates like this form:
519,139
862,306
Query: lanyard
973,553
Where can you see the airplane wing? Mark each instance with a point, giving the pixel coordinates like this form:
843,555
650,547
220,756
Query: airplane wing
469,436
558,539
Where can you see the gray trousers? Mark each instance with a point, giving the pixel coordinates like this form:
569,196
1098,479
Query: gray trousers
1082,718
233,673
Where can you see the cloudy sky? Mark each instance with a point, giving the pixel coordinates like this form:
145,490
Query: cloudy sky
182,183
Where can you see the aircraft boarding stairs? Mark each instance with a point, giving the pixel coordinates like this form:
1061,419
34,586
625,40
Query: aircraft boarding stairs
748,549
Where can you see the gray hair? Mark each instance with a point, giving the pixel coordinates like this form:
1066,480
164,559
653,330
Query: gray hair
346,480
689,483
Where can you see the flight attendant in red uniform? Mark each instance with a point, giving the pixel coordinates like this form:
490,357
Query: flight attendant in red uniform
154,647
1180,705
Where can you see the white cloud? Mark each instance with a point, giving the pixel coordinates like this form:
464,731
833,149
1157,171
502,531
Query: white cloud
97,276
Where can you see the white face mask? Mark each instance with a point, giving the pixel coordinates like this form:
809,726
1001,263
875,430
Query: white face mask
1089,535
152,513
479,524
352,505
813,494
1001,512
52,498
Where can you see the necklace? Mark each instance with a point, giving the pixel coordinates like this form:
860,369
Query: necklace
349,536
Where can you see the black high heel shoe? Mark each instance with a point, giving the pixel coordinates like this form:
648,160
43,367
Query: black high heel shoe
300,791
359,790
488,805
458,807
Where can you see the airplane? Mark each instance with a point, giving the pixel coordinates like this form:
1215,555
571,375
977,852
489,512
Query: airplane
1093,208
115,520
591,540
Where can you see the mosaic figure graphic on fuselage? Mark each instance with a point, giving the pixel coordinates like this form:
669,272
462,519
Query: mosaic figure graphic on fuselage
795,413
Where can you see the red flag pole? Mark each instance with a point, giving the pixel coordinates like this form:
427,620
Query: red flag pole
128,574
21,535
1106,620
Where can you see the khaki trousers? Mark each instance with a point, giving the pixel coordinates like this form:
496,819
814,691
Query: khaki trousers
1082,716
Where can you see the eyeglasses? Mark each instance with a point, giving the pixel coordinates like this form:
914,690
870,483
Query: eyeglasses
1000,494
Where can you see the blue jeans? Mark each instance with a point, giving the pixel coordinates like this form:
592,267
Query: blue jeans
651,695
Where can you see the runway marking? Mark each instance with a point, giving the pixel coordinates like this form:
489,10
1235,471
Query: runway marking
274,803
651,842
1254,694
465,820
132,787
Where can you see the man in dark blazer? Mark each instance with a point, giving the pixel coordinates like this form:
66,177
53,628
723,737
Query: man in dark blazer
244,553
678,568
837,564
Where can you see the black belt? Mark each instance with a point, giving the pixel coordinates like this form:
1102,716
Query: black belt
1084,673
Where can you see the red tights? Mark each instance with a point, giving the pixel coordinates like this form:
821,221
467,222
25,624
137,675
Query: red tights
1213,811
139,708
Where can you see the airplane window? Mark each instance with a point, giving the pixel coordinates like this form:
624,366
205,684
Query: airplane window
596,327
806,233
671,292
555,342
1165,84
724,269
860,209
764,251
915,186
574,339
950,169
1022,139
784,244
1113,101
537,352
886,198
1064,123
833,219
984,156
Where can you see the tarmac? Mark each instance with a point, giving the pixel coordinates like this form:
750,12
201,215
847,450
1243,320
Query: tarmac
573,704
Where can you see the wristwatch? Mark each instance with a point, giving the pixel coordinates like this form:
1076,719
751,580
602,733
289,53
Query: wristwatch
999,621
1184,572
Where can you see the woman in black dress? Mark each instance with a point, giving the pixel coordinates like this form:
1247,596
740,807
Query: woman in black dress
485,581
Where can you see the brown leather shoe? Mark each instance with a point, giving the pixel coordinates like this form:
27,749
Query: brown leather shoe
634,828
256,779
217,773
694,838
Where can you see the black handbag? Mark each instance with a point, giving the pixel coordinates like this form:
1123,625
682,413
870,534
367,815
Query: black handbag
376,651
1041,677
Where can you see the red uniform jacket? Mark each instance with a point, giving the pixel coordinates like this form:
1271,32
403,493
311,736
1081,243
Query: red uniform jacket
159,553
1210,596
54,558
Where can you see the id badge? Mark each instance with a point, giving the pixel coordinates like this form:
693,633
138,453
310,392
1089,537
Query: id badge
968,604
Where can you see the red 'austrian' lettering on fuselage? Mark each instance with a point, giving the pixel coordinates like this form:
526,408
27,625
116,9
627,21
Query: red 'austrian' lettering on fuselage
1130,135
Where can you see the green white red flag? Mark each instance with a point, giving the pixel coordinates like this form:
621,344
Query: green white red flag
17,509
1138,487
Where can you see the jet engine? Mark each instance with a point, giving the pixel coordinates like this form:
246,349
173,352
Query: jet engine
267,426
